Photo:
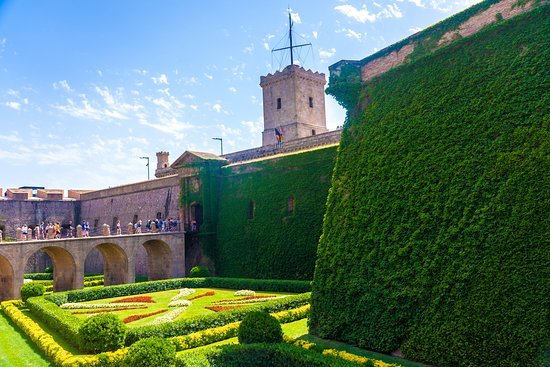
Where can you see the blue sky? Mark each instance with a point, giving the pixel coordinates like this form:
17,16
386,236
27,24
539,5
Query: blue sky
88,87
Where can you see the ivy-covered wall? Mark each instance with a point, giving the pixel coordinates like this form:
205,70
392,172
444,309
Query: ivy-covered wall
274,241
436,239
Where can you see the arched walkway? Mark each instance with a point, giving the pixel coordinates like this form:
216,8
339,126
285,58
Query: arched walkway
159,260
115,263
6,279
64,268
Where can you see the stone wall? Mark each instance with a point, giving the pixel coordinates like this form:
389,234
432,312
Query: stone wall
15,213
329,138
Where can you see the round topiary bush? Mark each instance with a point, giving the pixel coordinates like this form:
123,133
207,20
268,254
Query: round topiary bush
260,327
151,352
31,289
199,272
102,333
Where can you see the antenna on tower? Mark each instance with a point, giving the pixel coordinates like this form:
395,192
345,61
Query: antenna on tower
291,47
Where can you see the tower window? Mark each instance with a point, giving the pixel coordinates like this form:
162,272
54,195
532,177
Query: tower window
250,212
312,132
290,205
278,103
311,102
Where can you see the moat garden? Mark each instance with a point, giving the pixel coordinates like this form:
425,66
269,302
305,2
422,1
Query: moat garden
203,321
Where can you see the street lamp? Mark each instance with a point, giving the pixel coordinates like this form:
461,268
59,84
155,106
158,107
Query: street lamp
221,143
146,165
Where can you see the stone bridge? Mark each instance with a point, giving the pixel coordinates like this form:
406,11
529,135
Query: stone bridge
165,259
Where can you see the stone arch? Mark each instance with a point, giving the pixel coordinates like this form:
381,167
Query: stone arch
115,263
64,268
159,259
6,279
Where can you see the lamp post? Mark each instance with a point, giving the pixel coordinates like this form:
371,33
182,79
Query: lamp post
146,165
221,143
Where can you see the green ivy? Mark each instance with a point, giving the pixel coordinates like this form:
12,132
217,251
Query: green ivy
437,230
275,243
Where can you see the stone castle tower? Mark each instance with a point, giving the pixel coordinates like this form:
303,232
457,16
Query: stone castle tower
294,104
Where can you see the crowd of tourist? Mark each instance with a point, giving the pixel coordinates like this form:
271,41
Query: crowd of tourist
54,230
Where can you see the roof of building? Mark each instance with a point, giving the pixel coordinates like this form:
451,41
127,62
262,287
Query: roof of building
191,156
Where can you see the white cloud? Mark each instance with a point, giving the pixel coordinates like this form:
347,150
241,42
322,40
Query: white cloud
227,131
249,49
12,138
12,92
390,11
350,33
14,105
415,29
63,85
295,17
253,127
325,54
361,15
217,107
141,71
162,103
194,107
162,79
232,89
315,34
208,76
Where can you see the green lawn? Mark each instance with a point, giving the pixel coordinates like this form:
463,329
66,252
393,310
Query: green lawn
16,349
162,299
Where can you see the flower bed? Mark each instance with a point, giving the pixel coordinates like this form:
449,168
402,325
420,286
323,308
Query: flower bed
251,299
220,308
245,292
105,310
182,293
129,319
76,306
172,315
144,299
179,303
206,294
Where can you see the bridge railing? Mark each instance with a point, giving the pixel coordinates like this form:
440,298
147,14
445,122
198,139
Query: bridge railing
32,234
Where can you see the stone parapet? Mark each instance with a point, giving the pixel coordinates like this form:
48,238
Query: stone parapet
169,181
332,137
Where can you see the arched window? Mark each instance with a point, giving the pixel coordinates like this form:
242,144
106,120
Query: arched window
115,220
159,215
291,205
279,104
250,211
135,219
311,102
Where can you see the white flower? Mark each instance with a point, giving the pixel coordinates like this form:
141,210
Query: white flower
184,292
76,306
179,303
169,316
245,292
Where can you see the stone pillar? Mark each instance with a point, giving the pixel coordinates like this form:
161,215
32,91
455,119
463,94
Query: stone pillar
51,234
1,235
79,231
106,231
130,228
153,227
37,232
18,234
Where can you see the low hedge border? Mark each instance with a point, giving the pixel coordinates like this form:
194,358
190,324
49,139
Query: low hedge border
63,358
266,355
198,323
83,295
213,335
55,352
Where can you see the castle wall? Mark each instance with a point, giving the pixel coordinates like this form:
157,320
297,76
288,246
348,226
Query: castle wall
15,213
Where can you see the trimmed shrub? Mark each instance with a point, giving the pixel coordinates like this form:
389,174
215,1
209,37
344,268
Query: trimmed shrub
199,272
48,269
31,289
260,327
151,352
102,333
39,276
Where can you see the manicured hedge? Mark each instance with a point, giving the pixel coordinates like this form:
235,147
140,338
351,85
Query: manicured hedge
84,295
437,230
261,355
54,317
276,243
